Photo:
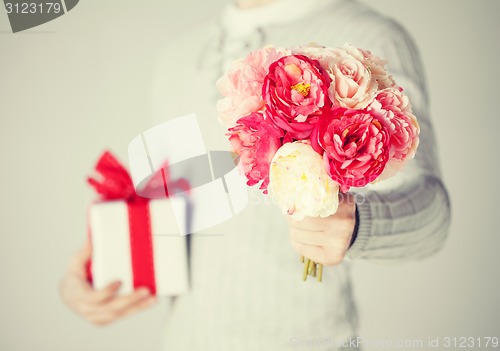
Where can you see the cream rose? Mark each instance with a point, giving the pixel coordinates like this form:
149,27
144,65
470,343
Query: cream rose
352,83
375,64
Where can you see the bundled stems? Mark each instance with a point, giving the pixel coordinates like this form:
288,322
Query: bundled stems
311,268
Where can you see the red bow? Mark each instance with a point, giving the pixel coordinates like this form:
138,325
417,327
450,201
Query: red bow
117,183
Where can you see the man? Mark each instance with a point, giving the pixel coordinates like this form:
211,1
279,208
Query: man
246,292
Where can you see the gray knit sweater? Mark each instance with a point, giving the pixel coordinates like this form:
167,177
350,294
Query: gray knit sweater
246,288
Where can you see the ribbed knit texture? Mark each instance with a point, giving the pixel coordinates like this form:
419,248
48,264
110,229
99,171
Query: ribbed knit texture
246,288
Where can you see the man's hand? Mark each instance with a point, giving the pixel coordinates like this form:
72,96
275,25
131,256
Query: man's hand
325,240
103,306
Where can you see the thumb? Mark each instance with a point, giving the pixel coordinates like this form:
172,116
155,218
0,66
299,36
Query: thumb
86,251
80,258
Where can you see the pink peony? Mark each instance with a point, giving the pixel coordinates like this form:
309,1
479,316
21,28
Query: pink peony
354,144
296,93
256,141
394,110
241,86
393,99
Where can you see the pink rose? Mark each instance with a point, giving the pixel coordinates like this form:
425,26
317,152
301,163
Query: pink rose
295,92
375,64
354,144
394,110
256,141
241,86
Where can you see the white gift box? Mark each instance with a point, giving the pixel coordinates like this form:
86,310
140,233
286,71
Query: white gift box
111,245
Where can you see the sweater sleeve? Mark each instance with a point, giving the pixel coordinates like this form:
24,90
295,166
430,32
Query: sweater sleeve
406,217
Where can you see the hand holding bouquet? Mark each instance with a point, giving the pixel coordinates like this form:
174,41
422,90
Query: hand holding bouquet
310,121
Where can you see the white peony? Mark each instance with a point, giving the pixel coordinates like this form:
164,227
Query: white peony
299,184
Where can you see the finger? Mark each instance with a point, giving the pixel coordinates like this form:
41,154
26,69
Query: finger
107,317
121,303
141,305
103,295
320,254
113,304
308,237
315,253
81,296
101,319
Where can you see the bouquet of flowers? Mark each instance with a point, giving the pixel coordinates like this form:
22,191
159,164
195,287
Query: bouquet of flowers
310,121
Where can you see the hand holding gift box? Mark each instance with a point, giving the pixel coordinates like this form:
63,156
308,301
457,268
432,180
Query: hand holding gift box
136,240
158,264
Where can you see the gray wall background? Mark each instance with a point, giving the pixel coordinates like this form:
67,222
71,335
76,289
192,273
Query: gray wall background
78,84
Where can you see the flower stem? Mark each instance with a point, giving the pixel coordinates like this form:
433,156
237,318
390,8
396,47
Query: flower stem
320,272
310,267
306,268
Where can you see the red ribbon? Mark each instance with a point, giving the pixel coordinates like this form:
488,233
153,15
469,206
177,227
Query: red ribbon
116,184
